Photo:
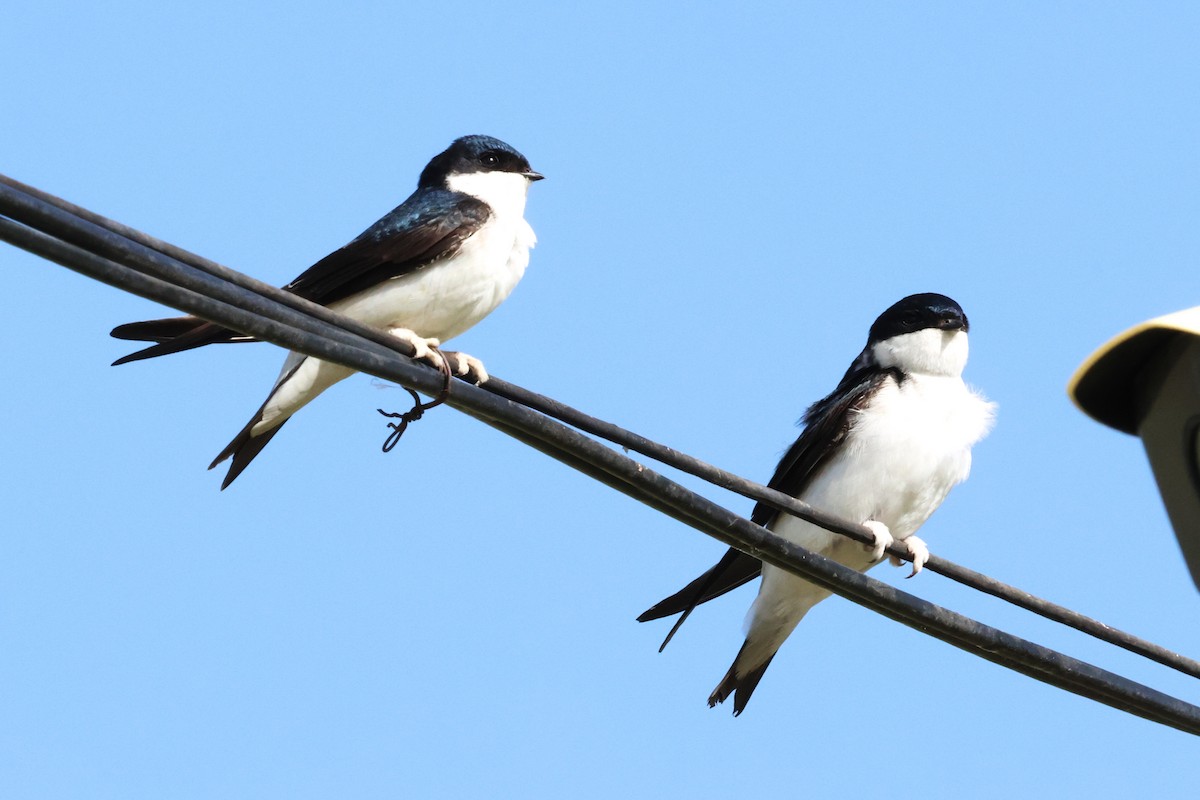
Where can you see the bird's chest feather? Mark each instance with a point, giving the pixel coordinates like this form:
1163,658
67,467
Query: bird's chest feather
446,298
904,451
489,264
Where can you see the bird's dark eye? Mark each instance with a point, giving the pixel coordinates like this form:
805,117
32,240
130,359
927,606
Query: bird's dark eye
490,160
911,318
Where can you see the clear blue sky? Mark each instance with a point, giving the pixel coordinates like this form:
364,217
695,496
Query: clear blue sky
731,199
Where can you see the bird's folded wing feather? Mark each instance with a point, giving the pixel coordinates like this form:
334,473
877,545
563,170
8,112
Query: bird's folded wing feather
826,424
408,238
404,241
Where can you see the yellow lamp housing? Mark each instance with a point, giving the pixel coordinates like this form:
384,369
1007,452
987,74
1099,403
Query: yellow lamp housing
1146,381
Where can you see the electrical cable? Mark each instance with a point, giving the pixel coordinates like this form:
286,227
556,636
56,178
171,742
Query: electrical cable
71,239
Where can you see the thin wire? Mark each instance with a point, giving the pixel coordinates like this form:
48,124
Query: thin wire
640,444
418,410
273,323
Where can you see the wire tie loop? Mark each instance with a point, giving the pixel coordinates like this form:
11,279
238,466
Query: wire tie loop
418,410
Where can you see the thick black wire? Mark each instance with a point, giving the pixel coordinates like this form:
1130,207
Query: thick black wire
637,443
779,500
621,473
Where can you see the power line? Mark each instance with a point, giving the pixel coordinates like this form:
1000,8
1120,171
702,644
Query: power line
135,262
611,432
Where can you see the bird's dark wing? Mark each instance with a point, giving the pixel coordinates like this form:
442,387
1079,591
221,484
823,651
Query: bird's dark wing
427,227
826,424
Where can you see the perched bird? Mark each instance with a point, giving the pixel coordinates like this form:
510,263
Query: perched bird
431,268
883,449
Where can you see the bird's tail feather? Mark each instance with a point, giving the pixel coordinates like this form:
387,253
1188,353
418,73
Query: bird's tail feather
739,685
243,448
734,569
173,335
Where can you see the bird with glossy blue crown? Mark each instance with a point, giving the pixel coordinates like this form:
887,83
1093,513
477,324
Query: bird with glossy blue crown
428,270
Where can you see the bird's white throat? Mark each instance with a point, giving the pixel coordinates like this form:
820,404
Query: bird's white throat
925,352
505,192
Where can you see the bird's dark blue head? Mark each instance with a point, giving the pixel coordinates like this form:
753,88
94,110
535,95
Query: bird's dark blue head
475,154
918,312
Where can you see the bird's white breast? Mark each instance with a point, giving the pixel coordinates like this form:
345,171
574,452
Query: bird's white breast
903,453
907,449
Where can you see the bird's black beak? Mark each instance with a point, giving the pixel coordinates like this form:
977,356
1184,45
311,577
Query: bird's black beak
532,176
952,322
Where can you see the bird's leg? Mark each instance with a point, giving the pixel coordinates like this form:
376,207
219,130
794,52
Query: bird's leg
424,350
918,552
469,368
883,538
